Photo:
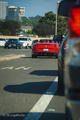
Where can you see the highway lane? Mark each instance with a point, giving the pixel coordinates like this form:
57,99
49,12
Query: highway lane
23,82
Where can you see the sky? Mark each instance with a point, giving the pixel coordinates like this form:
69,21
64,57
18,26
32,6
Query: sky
34,7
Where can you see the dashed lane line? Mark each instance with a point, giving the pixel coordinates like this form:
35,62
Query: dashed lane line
23,67
18,68
38,109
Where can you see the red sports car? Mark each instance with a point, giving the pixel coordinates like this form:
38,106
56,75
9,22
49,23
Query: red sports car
45,47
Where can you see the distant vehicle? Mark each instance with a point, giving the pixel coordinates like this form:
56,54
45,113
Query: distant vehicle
2,42
34,41
13,43
61,56
27,42
58,38
45,47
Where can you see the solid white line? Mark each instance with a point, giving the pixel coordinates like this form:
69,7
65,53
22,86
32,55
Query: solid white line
38,109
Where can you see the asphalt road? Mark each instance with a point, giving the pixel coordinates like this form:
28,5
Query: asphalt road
28,88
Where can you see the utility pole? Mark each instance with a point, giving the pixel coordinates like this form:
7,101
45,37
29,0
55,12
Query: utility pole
56,16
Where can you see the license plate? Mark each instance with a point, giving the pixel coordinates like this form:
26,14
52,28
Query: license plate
45,49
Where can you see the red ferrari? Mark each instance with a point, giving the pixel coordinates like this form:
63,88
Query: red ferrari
45,48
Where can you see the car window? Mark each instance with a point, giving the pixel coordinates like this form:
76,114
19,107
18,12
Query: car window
13,40
50,41
28,39
23,39
1,39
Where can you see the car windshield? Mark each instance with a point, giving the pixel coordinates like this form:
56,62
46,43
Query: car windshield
35,41
49,41
13,40
23,39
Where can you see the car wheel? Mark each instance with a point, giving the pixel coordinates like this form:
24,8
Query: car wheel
68,115
30,47
26,47
8,47
56,56
20,47
5,47
34,56
16,47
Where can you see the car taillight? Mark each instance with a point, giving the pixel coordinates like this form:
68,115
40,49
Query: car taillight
74,22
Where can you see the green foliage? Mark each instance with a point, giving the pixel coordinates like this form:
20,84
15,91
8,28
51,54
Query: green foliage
29,32
43,29
32,21
46,25
62,24
9,27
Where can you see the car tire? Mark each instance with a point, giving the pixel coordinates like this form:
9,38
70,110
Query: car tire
16,47
56,56
5,47
68,115
34,56
30,47
20,47
26,47
8,47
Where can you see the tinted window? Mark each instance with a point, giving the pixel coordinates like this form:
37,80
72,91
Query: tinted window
1,39
23,39
13,40
50,41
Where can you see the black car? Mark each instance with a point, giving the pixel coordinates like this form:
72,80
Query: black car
58,38
13,43
61,56
72,59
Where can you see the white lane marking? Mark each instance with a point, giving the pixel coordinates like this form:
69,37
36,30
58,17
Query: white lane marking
18,68
10,68
38,109
23,67
51,110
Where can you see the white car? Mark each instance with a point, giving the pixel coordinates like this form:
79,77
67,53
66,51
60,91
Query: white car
2,42
27,42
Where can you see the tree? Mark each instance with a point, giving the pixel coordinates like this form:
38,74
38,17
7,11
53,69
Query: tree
62,24
43,29
9,27
46,25
32,21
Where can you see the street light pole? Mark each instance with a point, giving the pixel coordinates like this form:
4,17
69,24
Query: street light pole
56,16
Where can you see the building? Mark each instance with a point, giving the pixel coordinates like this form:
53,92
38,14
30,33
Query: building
26,28
15,13
12,13
21,11
3,10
